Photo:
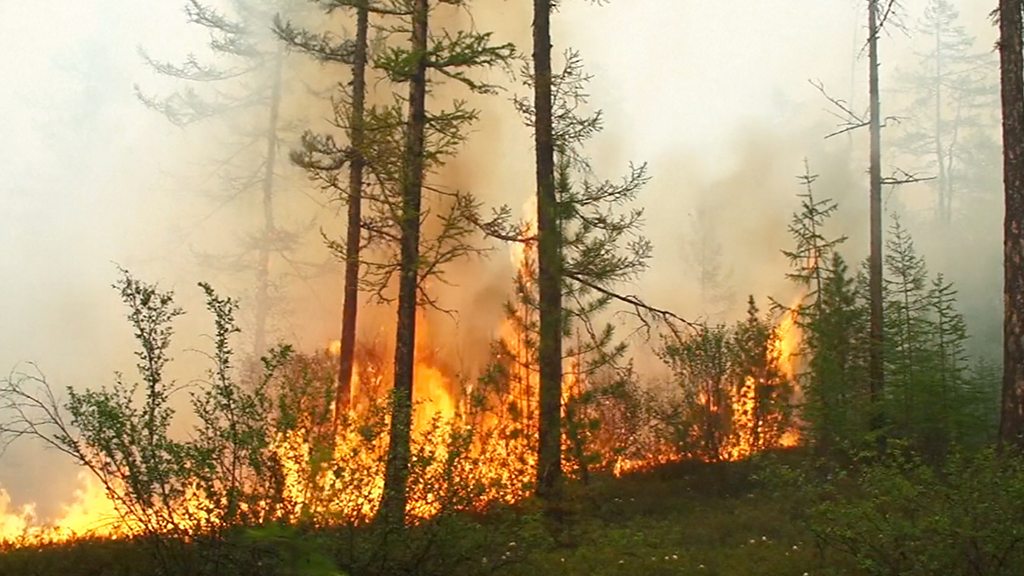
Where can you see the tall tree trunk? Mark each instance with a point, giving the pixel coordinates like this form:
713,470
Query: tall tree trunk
945,188
549,264
392,509
1011,424
269,228
875,369
343,393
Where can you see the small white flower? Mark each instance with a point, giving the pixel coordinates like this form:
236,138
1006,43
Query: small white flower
674,557
795,547
701,566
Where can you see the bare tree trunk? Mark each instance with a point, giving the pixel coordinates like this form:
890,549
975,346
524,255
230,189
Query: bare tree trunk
549,264
875,369
1011,424
343,393
393,504
945,188
269,228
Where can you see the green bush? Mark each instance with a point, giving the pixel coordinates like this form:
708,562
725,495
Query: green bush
902,516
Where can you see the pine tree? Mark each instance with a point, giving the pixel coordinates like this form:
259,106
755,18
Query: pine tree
1011,57
549,260
956,401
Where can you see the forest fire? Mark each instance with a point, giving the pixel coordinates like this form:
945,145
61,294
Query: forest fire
473,446
501,420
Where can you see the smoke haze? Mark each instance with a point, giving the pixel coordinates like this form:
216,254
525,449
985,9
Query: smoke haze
713,95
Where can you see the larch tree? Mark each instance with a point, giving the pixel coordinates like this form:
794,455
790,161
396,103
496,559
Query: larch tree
549,262
1011,58
408,141
952,92
323,159
244,79
876,369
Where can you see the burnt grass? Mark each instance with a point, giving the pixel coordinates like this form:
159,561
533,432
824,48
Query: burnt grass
686,518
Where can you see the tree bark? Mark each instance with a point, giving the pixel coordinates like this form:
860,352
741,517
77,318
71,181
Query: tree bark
549,263
269,227
1011,424
393,503
343,393
876,375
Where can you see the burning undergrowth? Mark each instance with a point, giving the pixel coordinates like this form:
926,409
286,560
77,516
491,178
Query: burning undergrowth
266,445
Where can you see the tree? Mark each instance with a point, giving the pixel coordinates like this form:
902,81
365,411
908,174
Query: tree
908,355
762,389
350,113
811,257
549,261
705,253
701,367
951,83
1011,58
247,79
428,138
876,370
836,394
392,508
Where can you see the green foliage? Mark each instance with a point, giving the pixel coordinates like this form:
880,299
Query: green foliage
701,368
286,551
735,397
835,407
901,516
812,256
930,400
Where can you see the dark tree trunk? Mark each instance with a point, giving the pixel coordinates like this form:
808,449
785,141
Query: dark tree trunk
269,228
549,263
1011,424
393,504
343,393
876,375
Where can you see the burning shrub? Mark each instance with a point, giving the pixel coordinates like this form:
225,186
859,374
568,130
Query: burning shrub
736,389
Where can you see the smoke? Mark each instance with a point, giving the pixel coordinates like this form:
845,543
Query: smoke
713,95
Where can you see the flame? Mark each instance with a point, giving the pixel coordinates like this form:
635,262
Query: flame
91,513
500,458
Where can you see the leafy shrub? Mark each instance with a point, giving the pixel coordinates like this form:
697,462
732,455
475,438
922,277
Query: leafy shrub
901,516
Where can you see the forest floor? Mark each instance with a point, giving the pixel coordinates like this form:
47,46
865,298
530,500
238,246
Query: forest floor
690,518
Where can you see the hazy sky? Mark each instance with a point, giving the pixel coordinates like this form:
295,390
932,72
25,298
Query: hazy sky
89,177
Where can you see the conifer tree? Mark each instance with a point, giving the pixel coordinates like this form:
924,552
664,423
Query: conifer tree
322,158
427,138
909,328
835,405
952,89
244,79
1011,58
